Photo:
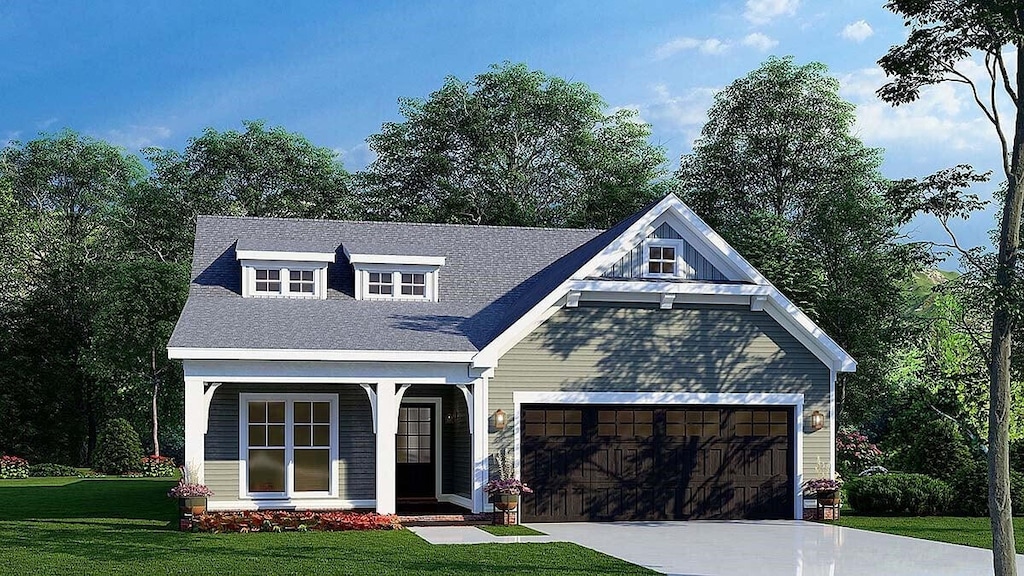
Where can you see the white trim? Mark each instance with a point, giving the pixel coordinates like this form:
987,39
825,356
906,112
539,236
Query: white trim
481,443
289,444
666,301
211,389
395,259
832,423
284,268
283,255
190,353
372,395
670,398
289,504
437,458
677,265
655,287
457,500
467,394
387,420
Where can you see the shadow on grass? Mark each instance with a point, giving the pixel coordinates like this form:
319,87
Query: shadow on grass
127,499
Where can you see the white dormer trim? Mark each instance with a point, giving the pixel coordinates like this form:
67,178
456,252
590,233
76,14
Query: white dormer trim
395,259
319,270
284,256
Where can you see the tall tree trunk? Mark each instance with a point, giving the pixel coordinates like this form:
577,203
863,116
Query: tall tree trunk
1000,508
154,376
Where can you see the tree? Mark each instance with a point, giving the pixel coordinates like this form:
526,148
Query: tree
945,39
62,186
778,172
513,147
258,172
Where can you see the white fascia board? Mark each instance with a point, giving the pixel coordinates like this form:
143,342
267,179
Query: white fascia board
790,317
658,398
648,287
395,259
697,224
183,353
284,256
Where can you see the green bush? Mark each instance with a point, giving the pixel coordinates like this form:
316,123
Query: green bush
159,467
931,446
899,495
52,470
970,490
118,449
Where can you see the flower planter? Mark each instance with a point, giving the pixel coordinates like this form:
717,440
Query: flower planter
505,502
193,506
828,498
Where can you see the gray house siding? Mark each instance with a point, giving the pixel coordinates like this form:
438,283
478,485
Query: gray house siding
631,265
356,440
692,348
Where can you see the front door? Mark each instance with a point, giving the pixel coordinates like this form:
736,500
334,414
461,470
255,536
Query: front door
415,472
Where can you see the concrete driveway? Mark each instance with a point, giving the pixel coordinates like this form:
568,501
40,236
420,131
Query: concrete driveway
771,548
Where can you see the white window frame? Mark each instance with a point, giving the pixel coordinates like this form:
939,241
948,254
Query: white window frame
289,443
255,281
677,245
319,270
430,274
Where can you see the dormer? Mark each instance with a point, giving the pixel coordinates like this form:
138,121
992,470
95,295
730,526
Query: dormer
395,277
293,271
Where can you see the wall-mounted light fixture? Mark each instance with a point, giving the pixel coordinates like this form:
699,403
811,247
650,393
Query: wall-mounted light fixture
449,418
817,420
499,419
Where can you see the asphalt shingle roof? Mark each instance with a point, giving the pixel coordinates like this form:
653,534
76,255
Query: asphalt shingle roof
491,277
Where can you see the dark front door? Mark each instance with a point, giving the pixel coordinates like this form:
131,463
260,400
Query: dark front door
415,472
594,463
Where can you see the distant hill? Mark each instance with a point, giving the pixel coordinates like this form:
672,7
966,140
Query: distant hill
921,295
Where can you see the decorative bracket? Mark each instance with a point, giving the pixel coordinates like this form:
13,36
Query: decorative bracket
468,394
208,393
667,300
372,395
572,300
757,303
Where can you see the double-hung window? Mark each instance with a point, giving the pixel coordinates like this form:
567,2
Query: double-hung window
288,445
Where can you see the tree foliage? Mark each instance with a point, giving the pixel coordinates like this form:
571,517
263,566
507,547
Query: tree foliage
512,147
778,172
945,40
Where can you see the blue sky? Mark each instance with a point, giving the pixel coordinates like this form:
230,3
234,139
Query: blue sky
157,73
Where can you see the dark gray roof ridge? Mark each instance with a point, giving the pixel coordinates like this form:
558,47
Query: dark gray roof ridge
397,223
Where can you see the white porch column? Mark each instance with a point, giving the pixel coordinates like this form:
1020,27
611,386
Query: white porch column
387,424
480,442
196,421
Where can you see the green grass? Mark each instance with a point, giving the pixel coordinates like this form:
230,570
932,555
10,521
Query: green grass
125,526
955,530
511,530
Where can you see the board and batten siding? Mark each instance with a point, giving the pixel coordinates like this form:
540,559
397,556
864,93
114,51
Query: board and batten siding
356,440
631,265
690,348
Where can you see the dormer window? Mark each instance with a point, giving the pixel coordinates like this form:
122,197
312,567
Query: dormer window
282,274
268,281
414,284
395,277
381,283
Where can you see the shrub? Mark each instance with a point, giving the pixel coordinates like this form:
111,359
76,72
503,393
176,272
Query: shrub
158,467
932,446
52,470
289,521
118,449
12,467
854,453
970,490
899,495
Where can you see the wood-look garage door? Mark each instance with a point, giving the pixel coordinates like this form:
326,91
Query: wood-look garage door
594,463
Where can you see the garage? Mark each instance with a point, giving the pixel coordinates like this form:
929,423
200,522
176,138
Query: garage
644,462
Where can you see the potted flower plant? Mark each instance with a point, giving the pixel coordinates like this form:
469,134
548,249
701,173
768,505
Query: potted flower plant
824,490
190,493
505,491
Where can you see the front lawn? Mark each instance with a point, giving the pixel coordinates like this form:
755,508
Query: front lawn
125,526
953,529
514,530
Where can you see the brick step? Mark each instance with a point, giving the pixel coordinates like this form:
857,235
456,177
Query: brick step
444,519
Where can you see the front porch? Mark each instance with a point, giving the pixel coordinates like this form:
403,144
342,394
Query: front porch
415,446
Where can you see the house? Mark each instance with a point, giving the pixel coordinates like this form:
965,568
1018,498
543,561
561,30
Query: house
643,372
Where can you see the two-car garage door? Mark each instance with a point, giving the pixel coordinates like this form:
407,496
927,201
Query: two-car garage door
601,462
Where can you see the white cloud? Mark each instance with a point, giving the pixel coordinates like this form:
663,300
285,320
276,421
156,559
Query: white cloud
44,124
858,31
943,114
706,46
684,113
136,136
764,11
9,137
357,157
760,41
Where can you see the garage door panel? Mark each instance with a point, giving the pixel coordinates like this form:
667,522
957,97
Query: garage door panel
653,463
